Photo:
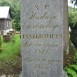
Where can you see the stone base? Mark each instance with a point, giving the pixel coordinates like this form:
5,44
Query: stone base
20,74
65,74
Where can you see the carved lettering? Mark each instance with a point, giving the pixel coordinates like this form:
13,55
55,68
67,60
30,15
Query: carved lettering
43,36
27,44
45,16
46,6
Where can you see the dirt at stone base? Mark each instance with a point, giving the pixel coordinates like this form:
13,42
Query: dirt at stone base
11,68
9,75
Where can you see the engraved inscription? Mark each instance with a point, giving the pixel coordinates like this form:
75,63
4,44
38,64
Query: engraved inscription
42,36
28,44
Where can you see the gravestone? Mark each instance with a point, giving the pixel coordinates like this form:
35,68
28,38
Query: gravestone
43,29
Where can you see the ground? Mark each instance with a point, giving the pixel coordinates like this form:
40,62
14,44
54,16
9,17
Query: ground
10,58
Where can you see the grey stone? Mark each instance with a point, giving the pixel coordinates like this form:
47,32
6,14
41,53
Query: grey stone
3,76
43,28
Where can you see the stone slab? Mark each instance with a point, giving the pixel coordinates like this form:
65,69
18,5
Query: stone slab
42,35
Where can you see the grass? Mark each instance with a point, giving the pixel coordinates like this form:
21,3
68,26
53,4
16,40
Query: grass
11,49
10,56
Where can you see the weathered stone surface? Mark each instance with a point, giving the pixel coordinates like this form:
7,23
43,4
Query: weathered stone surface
42,23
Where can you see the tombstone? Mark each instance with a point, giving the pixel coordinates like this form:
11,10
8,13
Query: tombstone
43,39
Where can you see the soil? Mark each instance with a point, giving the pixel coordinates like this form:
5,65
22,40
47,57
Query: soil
8,68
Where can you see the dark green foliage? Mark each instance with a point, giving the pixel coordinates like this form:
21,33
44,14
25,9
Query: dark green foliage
75,58
71,70
73,35
72,17
71,67
73,25
16,14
